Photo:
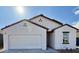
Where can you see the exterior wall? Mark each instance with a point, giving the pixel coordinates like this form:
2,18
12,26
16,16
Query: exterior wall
51,40
1,31
20,29
59,38
46,22
77,34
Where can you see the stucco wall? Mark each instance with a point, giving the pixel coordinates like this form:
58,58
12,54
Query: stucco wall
59,38
46,23
29,29
51,40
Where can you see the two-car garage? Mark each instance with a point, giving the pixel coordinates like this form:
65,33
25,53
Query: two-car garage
25,35
23,41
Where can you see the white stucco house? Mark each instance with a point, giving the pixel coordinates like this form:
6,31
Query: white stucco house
39,32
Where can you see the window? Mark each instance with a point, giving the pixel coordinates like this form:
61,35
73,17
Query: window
65,37
40,20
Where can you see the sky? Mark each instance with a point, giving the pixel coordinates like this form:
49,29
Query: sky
64,14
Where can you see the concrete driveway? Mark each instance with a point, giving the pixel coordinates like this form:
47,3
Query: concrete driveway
49,50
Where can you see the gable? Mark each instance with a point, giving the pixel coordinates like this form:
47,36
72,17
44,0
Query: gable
66,26
41,15
24,27
23,21
46,22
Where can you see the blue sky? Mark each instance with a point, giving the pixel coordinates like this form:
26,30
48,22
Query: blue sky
64,14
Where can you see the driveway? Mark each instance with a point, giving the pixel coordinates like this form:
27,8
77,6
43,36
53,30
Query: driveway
49,50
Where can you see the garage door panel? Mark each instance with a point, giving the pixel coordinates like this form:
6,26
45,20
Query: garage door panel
24,41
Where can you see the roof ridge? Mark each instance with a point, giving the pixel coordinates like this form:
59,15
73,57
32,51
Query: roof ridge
47,18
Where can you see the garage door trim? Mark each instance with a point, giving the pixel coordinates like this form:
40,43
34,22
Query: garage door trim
25,35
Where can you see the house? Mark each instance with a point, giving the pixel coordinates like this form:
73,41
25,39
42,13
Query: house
59,36
39,32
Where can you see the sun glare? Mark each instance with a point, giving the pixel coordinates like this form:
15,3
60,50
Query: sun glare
20,9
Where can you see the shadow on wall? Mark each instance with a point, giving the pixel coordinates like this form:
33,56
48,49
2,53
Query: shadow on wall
1,41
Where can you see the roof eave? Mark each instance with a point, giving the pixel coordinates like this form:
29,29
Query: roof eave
64,25
21,21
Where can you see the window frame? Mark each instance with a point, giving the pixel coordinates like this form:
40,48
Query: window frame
66,37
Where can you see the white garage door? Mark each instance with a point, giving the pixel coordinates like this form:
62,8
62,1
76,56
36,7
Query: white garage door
25,41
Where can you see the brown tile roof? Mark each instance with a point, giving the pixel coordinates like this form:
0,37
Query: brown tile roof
62,26
46,18
24,20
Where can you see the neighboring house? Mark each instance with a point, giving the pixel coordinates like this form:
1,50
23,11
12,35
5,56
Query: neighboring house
39,32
